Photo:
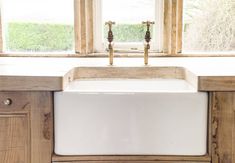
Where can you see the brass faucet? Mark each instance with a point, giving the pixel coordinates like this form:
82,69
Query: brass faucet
110,40
147,41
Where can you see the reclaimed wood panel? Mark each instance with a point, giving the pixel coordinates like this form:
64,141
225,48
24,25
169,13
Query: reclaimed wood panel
134,162
223,127
139,158
41,121
14,138
26,127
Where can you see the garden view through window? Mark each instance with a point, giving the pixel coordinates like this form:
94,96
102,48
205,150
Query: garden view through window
209,26
128,15
129,32
38,25
48,25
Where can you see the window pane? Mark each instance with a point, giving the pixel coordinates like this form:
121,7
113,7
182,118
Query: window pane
128,15
209,25
38,25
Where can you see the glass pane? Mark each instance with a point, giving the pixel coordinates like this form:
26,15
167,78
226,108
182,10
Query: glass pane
38,25
209,25
128,15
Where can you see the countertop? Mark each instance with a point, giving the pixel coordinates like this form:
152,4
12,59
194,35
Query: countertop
47,74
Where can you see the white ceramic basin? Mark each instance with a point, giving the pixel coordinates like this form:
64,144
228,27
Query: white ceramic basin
130,117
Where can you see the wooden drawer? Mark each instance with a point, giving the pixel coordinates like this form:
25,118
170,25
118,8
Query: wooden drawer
14,101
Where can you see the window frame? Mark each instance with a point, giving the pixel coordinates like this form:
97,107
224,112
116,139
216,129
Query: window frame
157,37
5,52
84,36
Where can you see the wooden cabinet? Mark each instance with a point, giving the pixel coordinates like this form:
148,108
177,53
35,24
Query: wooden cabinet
14,129
14,138
26,132
223,127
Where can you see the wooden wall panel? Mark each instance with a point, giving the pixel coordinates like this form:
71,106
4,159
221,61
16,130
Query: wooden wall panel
223,127
41,126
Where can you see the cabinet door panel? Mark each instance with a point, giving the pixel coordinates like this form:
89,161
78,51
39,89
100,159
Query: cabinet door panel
14,139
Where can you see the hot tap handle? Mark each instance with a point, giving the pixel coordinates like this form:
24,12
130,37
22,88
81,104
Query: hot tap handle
110,32
148,34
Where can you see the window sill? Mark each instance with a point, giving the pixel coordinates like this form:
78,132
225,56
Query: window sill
118,55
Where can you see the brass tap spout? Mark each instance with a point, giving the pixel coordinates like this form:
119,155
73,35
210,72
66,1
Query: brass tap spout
110,40
147,41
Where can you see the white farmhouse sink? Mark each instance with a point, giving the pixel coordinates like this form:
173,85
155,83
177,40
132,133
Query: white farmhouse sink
129,86
130,117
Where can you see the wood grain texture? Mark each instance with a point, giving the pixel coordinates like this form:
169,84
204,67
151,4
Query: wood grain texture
14,138
216,83
134,162
172,40
80,26
36,83
166,28
179,26
41,127
209,131
146,158
19,103
173,32
212,74
129,72
90,27
223,127
26,127
83,24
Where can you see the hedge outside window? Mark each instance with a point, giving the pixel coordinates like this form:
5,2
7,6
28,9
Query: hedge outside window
38,25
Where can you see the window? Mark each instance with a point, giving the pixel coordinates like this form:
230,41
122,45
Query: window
77,27
209,26
38,25
128,31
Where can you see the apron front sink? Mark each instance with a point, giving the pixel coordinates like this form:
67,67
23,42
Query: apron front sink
130,117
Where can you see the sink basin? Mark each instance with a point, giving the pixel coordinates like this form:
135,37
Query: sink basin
130,116
129,86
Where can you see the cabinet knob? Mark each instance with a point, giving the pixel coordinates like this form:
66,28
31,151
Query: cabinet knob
7,102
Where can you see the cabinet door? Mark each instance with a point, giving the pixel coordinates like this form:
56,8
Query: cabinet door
26,127
14,138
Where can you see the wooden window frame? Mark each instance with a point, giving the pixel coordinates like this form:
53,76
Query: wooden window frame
122,47
84,34
83,25
173,16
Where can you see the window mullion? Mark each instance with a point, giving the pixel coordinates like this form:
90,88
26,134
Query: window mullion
173,26
179,26
89,26
83,24
80,26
